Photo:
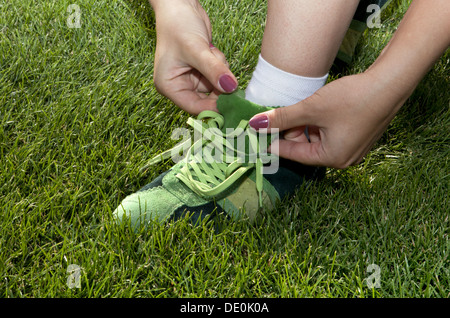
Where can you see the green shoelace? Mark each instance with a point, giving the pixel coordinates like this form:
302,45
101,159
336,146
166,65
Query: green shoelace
206,168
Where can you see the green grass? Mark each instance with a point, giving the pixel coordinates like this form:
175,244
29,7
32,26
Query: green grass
79,115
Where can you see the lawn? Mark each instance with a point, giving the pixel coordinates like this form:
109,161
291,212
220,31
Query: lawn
79,117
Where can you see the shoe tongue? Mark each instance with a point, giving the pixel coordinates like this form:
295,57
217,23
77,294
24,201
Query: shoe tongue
234,108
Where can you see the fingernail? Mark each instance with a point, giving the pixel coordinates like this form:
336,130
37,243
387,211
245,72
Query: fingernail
227,83
259,122
211,46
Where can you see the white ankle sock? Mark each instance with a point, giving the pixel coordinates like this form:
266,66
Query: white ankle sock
271,86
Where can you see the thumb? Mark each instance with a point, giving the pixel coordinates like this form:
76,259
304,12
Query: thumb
295,118
212,64
284,118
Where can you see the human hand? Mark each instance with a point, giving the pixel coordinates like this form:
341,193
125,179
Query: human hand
344,118
347,116
188,69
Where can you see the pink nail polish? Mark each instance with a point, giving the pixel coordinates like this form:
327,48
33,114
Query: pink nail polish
259,122
227,83
211,46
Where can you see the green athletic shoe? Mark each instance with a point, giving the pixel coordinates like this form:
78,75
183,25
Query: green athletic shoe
222,172
359,24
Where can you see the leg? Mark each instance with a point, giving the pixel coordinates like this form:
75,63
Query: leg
300,43
303,36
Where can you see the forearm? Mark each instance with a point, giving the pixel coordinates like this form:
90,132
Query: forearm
165,9
422,37
174,17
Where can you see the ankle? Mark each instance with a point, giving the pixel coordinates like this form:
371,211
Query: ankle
271,86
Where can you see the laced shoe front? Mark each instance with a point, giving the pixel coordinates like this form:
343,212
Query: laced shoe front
221,172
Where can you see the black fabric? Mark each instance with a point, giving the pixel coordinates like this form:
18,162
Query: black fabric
198,213
155,183
291,175
305,172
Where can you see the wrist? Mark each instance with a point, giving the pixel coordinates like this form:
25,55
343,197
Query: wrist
389,90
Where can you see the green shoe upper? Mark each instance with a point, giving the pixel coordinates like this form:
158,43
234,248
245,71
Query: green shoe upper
221,172
213,164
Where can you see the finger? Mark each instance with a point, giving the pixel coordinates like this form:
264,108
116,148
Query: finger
200,83
297,134
284,118
204,85
212,66
303,152
219,55
193,102
314,134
